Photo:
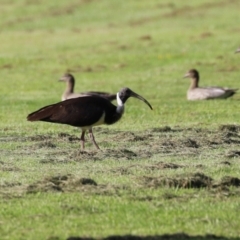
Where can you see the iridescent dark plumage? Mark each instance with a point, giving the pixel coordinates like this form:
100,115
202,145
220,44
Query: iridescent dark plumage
85,112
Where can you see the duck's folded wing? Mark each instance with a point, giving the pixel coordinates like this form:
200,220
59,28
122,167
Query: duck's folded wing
217,92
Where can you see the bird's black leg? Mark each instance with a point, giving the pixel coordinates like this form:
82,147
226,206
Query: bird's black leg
93,139
82,140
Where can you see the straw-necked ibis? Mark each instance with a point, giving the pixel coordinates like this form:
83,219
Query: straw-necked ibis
86,112
204,93
69,91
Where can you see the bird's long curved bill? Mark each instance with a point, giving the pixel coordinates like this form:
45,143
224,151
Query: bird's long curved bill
133,94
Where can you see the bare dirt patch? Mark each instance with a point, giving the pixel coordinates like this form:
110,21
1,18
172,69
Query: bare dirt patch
130,136
129,145
162,129
195,180
46,144
117,154
229,128
233,154
64,183
162,165
10,169
228,181
10,189
39,138
151,167
60,183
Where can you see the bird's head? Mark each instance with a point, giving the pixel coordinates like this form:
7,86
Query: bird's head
67,77
125,93
192,73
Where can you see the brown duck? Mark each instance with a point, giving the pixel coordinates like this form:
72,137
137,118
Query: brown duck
204,93
69,91
238,50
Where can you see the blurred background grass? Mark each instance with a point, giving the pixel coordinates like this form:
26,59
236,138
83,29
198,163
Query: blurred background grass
145,45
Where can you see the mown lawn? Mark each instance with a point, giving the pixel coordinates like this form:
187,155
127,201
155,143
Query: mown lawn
171,170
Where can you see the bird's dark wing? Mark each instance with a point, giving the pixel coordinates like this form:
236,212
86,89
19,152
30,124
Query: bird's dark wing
82,111
106,95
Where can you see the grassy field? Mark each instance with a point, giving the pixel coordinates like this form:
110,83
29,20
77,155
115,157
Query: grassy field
170,173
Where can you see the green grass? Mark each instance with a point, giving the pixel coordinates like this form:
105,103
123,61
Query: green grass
84,214
108,44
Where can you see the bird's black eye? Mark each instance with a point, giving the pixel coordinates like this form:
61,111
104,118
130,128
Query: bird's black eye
127,91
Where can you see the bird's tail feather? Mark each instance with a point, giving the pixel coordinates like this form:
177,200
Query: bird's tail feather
43,114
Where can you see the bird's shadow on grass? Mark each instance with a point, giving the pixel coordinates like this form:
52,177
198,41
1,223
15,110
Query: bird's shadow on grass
175,236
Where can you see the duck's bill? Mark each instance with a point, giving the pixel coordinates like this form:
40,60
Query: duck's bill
61,79
186,75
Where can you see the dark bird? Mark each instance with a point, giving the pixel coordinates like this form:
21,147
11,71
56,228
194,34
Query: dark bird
69,91
204,93
86,112
238,50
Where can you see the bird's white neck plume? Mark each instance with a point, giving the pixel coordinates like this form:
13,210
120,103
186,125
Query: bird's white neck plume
119,101
120,107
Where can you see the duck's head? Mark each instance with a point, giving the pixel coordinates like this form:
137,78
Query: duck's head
192,73
67,77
